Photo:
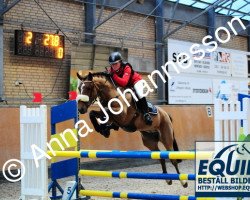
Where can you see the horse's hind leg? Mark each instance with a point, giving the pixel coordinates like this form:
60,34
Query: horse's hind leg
150,140
168,140
175,163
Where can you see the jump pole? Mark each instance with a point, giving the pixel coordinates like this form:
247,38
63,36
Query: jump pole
185,155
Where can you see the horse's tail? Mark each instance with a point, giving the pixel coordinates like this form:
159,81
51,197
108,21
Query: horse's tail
175,145
176,149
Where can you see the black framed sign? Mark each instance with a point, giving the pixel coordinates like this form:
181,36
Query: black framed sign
29,43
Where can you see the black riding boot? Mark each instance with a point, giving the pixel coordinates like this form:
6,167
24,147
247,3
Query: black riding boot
143,106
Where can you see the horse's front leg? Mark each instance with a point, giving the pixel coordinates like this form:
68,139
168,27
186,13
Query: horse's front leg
100,128
113,126
93,115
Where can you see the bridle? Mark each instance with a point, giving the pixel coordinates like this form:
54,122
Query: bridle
85,98
91,93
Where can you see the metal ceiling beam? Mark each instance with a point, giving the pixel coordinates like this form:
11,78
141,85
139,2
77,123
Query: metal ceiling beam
238,8
165,18
248,47
6,9
228,12
219,6
225,8
232,10
159,53
246,30
114,13
193,3
194,18
101,11
247,14
248,39
150,15
158,4
1,55
211,23
90,11
172,16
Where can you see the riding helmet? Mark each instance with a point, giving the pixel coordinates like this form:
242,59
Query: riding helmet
114,58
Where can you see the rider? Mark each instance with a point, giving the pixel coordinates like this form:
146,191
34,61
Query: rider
124,76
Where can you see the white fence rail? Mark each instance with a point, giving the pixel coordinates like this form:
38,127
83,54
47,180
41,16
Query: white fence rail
33,130
228,119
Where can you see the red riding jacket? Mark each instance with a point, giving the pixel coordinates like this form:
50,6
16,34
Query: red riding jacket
125,76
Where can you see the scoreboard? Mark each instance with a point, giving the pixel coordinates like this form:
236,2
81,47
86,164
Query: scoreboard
29,43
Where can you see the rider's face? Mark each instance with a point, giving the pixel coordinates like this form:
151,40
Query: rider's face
116,66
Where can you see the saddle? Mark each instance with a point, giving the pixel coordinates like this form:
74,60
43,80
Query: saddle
152,109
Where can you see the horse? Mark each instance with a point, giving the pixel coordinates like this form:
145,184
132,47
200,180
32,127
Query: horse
100,85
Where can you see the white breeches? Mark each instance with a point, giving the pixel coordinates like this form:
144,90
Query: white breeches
139,86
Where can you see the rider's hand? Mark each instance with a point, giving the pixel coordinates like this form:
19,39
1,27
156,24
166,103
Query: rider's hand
108,70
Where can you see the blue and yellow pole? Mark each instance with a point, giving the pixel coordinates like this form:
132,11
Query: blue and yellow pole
186,155
137,175
127,195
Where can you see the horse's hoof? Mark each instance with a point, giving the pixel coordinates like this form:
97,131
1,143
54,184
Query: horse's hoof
169,182
97,130
185,185
105,133
179,160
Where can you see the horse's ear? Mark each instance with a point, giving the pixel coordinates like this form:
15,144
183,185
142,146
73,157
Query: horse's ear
79,76
90,76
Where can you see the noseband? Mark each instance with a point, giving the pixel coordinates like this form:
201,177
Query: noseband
85,98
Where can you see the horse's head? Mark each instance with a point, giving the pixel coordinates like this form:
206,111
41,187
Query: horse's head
87,92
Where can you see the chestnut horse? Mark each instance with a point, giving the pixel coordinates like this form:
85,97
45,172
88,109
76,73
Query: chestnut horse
100,85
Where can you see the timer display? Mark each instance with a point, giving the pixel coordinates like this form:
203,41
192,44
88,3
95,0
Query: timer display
29,43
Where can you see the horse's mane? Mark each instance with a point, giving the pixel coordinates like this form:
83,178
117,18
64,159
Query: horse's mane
105,74
100,74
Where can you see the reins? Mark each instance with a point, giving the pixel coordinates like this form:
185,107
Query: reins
98,90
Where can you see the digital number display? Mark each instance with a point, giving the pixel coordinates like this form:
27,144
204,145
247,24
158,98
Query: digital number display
29,43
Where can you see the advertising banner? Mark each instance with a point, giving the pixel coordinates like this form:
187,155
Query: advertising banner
190,90
222,170
220,62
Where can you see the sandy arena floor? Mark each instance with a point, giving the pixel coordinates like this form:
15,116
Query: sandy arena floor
11,191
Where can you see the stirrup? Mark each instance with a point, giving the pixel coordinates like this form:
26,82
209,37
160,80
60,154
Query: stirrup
147,119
